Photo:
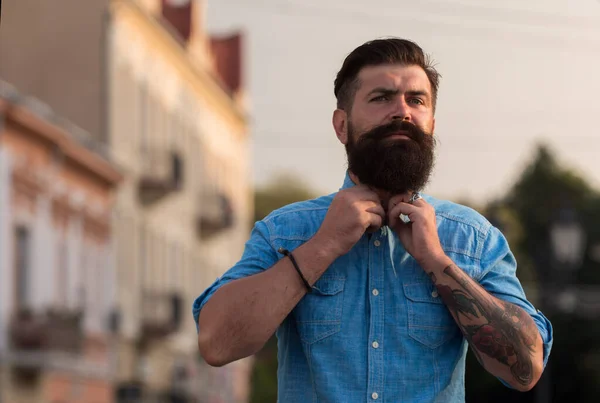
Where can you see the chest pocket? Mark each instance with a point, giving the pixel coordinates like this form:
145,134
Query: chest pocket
429,321
319,314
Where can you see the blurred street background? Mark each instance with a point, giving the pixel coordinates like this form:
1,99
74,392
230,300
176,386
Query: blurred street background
141,139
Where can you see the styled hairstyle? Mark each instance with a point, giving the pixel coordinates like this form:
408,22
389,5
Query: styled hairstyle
380,52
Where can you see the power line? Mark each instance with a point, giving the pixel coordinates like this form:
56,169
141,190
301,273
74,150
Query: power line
457,7
295,9
441,9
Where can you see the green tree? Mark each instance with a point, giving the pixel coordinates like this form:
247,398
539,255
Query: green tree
543,190
282,190
525,215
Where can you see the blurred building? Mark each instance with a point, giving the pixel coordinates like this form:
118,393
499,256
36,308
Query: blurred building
57,272
168,102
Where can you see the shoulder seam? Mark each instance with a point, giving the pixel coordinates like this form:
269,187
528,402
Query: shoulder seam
268,230
270,217
483,226
480,252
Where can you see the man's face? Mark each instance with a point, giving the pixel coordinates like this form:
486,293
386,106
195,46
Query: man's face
389,131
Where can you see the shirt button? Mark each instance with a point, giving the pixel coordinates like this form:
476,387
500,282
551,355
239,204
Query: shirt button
375,292
375,396
434,294
377,243
375,344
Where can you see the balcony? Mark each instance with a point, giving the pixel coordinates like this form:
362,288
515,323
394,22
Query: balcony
64,331
215,213
161,314
33,336
28,331
51,331
162,173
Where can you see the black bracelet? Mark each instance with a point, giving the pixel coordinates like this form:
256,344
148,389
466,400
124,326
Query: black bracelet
289,254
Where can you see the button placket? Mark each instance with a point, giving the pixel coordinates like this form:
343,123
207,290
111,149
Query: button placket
378,262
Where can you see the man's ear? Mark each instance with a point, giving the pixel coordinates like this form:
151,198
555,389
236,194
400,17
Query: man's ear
340,125
433,126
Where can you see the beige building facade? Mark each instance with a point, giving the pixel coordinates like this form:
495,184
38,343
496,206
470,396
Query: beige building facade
167,101
57,269
185,206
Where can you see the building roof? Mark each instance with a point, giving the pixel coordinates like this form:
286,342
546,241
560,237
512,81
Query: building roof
227,52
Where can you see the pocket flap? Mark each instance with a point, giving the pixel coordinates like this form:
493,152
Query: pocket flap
422,292
329,285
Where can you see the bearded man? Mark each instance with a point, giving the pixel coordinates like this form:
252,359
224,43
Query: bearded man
376,292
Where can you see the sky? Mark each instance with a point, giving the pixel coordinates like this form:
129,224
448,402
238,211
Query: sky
514,73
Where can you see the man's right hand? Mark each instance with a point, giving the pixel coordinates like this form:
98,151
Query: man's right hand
241,316
352,212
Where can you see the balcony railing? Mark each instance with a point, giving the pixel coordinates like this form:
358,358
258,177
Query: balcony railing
65,331
28,331
37,335
51,331
215,213
162,173
161,314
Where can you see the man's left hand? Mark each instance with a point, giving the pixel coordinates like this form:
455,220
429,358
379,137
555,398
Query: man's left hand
420,236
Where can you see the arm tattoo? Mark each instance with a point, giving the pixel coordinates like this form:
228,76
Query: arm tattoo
498,329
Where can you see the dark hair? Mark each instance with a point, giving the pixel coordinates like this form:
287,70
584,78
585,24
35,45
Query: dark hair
379,52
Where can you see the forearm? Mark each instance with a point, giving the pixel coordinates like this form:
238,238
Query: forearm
503,337
241,316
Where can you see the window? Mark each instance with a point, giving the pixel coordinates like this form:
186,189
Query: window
177,166
144,261
62,271
23,266
142,107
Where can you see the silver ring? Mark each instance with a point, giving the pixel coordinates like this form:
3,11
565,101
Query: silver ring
415,196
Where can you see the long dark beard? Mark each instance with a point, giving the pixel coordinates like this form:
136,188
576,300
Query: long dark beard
395,166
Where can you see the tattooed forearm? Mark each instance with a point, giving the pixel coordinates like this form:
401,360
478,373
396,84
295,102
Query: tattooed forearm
499,332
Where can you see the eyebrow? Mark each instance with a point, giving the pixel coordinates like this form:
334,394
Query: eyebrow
389,91
383,91
418,93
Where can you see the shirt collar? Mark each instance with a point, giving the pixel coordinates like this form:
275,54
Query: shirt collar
348,183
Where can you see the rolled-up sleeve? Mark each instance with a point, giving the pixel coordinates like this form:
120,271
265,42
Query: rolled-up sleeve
258,256
499,278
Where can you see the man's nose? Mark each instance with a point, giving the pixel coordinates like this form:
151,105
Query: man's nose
401,111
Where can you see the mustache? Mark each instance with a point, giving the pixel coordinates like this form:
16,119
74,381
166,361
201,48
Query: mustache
410,130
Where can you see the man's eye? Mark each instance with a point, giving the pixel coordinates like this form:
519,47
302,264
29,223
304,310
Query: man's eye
416,101
380,98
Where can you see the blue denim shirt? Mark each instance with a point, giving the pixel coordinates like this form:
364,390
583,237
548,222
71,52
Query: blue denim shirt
375,329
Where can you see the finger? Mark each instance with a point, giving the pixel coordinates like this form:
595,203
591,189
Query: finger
420,203
363,192
393,220
403,208
376,208
393,216
404,197
374,222
373,208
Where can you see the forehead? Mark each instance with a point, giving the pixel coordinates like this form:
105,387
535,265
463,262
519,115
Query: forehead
396,76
